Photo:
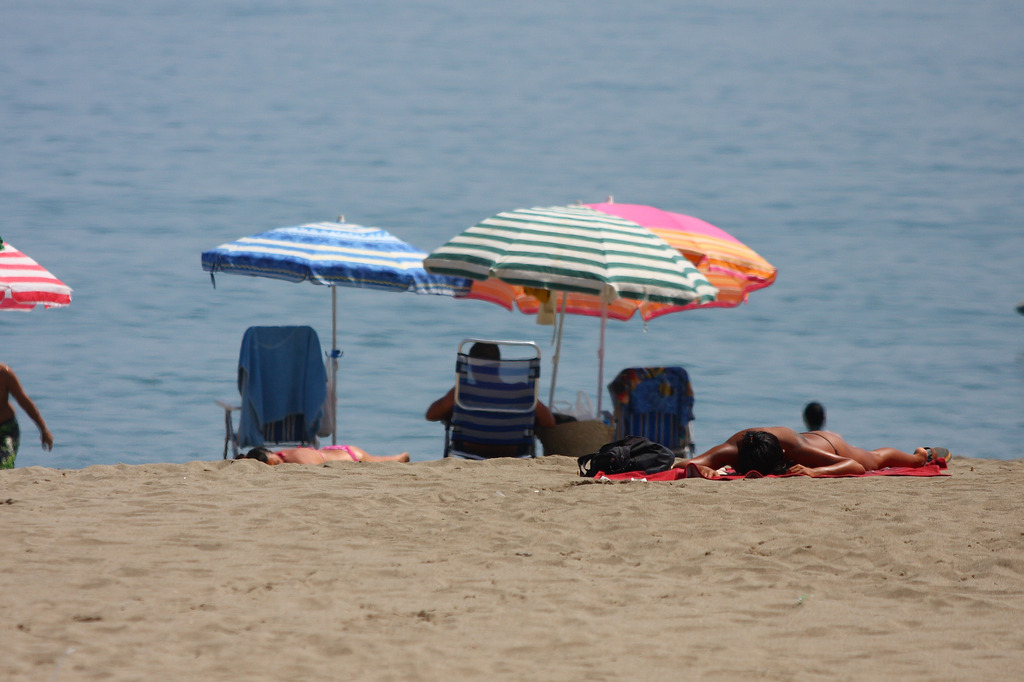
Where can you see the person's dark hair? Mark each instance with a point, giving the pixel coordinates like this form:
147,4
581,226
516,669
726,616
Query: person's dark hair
485,351
760,451
814,416
258,453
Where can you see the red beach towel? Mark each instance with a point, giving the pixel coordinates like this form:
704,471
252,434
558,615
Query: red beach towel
691,471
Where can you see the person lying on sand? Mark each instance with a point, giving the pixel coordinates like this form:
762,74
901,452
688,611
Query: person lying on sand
780,450
331,453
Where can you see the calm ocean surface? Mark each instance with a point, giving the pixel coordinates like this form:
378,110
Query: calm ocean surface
873,152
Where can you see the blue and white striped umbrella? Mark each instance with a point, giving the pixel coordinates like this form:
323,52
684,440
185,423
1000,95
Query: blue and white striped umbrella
333,254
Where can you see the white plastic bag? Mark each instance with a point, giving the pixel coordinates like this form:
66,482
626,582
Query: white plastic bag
583,410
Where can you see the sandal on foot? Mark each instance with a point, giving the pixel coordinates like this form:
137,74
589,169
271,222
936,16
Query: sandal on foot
936,455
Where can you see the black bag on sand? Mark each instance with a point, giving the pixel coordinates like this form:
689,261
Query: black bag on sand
632,453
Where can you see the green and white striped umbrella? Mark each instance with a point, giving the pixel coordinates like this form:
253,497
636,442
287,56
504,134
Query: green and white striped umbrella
575,249
578,250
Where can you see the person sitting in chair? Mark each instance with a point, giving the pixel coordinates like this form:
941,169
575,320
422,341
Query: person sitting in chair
781,450
441,410
331,453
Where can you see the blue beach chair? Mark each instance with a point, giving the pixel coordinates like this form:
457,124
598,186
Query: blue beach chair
495,402
656,403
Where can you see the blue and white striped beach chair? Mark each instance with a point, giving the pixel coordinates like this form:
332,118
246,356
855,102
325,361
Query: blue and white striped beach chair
495,401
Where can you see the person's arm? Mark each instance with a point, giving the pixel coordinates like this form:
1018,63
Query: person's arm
544,419
714,459
442,408
30,409
840,467
811,460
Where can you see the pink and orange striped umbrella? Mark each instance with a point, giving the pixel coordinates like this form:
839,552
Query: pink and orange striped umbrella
24,283
731,266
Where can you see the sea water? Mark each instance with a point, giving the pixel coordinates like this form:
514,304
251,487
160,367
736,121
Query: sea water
872,152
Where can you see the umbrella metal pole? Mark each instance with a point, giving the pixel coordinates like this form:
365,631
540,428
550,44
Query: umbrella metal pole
600,355
558,352
334,364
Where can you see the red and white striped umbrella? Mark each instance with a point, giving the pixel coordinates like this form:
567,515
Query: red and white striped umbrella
24,283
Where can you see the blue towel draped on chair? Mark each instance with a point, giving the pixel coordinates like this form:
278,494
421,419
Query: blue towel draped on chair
281,379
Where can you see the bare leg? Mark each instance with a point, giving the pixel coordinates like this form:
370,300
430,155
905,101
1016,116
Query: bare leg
363,456
891,457
879,458
400,457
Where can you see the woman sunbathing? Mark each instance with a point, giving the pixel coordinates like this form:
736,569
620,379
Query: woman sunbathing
780,450
331,453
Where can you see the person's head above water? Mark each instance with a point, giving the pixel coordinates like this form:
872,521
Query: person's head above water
814,416
760,451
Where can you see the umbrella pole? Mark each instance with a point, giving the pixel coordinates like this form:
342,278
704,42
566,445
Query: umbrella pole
334,364
600,355
558,352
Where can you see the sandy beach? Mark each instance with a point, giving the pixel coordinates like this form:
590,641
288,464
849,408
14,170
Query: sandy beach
507,570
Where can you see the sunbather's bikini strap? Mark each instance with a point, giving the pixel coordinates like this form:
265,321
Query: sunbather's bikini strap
344,448
819,434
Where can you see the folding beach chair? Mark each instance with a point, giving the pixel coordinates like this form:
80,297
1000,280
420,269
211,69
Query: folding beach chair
495,401
283,386
656,403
